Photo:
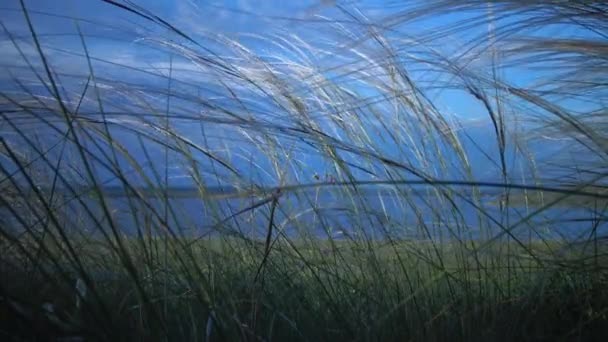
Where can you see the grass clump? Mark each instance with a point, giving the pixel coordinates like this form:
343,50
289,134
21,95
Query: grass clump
322,191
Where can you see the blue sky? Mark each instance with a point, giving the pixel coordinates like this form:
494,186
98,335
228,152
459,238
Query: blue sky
112,33
114,36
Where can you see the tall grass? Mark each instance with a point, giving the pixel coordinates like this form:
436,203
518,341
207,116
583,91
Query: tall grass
333,194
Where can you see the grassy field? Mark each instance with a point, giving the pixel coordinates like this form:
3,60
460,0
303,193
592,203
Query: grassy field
506,98
233,290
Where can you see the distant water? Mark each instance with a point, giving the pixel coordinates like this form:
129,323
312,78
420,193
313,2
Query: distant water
373,212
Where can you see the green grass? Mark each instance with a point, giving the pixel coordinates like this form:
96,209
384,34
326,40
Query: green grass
363,102
397,292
